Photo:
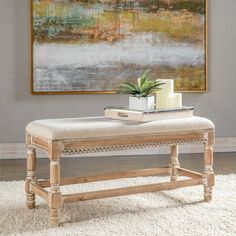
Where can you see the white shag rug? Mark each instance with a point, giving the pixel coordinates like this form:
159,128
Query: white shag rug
177,212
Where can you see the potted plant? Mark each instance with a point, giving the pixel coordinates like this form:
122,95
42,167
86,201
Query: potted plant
140,92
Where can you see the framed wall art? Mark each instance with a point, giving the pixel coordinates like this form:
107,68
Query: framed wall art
90,46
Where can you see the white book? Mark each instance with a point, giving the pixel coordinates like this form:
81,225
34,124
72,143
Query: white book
124,113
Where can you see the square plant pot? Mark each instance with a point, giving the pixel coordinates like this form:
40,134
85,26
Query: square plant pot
142,103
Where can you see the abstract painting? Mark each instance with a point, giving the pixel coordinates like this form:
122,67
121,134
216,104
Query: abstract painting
90,46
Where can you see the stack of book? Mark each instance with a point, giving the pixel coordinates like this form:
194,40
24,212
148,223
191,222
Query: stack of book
124,113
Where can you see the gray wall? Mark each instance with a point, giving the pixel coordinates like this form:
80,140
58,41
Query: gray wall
18,106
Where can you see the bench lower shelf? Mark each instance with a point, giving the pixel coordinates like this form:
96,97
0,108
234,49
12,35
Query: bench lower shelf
196,179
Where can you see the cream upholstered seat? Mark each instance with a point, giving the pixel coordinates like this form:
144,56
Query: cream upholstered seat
92,127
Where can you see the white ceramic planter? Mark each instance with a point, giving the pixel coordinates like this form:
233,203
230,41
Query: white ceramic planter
142,103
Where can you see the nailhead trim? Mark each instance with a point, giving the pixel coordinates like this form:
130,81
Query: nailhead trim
131,146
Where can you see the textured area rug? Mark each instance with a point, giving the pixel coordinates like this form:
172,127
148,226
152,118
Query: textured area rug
177,212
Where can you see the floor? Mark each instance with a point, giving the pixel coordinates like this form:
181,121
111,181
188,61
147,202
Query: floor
224,163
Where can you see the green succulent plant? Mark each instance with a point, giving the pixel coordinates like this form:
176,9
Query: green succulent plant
143,88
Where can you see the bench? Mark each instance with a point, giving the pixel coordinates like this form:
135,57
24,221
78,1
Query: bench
59,137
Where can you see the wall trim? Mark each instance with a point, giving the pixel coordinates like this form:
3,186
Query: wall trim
227,144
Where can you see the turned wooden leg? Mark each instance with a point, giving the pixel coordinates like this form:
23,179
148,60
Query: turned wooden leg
174,162
55,199
208,175
30,177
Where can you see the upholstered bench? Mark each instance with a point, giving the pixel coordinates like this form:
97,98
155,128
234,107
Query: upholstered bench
83,135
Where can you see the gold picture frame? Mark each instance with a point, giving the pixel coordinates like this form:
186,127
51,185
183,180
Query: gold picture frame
40,71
